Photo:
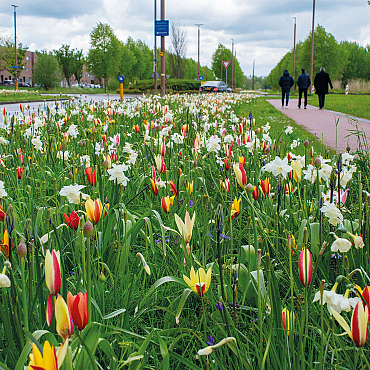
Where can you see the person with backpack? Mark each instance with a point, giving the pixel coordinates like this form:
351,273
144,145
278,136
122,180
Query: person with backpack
286,82
303,83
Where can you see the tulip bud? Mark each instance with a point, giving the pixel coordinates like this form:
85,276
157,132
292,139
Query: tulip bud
305,267
331,323
70,175
27,229
9,219
88,229
268,150
249,188
259,258
22,249
317,162
306,143
102,278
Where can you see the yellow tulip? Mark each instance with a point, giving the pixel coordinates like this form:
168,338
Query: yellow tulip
49,360
200,281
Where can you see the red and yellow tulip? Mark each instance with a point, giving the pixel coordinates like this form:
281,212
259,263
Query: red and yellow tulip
78,308
49,359
297,170
288,321
305,267
255,192
241,176
167,203
265,187
173,187
94,210
64,325
200,281
154,186
185,228
235,207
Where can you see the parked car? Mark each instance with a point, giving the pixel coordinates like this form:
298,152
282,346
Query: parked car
8,83
23,84
213,86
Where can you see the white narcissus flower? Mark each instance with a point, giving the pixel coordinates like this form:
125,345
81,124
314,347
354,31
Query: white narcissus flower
3,141
289,130
37,143
63,155
278,167
325,172
208,350
177,138
72,131
4,281
359,243
213,144
28,132
38,123
3,193
332,212
342,245
85,160
73,193
117,173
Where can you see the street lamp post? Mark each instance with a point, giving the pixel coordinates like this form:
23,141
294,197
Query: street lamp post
232,64
198,24
312,41
155,48
15,46
295,28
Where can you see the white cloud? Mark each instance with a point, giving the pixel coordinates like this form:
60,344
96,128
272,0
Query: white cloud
262,30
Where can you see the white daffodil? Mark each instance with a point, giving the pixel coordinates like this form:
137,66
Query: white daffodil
278,167
73,193
3,193
117,173
37,143
332,212
208,350
289,130
72,131
325,172
177,138
342,245
213,144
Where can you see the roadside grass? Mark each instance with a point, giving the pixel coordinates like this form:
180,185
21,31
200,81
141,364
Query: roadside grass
23,95
354,105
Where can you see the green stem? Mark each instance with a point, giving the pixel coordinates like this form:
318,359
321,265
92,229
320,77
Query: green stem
88,272
87,350
24,295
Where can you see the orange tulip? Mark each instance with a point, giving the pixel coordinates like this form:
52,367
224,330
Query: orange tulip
78,308
91,177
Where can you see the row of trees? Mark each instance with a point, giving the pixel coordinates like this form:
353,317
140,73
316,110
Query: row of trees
342,60
7,54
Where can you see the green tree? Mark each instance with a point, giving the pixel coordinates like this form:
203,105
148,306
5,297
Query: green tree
7,54
65,57
103,57
78,65
46,72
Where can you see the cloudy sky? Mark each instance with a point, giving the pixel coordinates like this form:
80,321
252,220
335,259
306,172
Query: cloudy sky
262,30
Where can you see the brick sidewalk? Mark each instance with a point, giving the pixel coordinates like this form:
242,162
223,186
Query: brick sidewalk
322,124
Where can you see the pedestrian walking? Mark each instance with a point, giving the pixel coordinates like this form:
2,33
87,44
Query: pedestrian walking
286,82
303,83
321,82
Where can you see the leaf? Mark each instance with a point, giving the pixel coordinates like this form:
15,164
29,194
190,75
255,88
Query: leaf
106,347
184,297
141,352
114,314
164,352
342,322
159,219
27,349
165,279
315,238
300,235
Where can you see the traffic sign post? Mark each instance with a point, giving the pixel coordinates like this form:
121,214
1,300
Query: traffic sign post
201,78
121,78
162,28
226,63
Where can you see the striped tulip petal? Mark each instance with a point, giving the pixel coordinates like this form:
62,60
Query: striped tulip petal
305,267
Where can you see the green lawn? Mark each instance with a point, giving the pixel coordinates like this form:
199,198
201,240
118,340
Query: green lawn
23,95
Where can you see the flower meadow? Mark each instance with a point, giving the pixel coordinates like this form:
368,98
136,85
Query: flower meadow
184,232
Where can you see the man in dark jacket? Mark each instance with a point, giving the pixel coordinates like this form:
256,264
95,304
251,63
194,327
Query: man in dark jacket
321,82
286,82
303,83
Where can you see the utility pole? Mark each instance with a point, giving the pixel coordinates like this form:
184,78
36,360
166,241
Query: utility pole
198,24
15,47
232,64
155,48
163,59
295,28
235,69
222,66
312,41
253,76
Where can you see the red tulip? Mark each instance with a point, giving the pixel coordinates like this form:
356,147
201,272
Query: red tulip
305,267
19,172
73,220
255,192
91,177
154,186
79,309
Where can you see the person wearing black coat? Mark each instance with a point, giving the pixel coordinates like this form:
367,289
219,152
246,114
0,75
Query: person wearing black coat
286,82
321,82
303,83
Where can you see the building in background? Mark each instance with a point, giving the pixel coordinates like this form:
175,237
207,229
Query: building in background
25,74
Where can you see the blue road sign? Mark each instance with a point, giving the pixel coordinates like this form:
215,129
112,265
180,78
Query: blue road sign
16,67
121,79
201,78
162,28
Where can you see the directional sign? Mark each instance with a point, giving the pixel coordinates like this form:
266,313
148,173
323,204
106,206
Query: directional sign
17,67
153,75
226,63
162,28
201,78
121,79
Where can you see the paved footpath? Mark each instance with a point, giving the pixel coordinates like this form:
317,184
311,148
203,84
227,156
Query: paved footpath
322,123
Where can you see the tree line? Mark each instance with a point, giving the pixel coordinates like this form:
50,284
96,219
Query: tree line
343,60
